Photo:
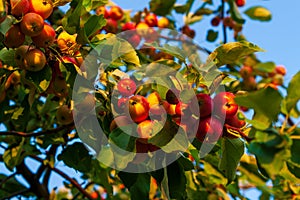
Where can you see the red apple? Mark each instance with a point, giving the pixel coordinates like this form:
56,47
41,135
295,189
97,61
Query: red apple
32,24
14,37
224,105
46,37
116,13
145,131
138,107
216,21
42,7
172,96
128,26
209,130
205,104
101,10
151,19
237,121
280,70
34,60
19,7
126,87
246,71
111,26
240,3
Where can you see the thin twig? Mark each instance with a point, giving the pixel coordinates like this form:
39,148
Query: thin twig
223,26
6,179
16,194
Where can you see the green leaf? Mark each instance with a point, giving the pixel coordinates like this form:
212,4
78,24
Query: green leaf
172,50
124,137
185,163
294,169
295,149
266,105
259,13
293,92
13,156
7,56
181,8
265,67
40,79
71,21
202,11
231,52
232,151
176,181
235,13
76,156
212,35
93,4
161,7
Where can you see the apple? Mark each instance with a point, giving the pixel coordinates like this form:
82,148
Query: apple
188,31
13,79
205,104
145,130
59,86
119,121
111,26
116,13
172,96
126,87
237,121
170,108
19,7
250,83
278,79
134,40
215,21
141,152
19,55
151,19
34,60
121,104
163,22
32,24
45,38
128,26
224,105
14,37
240,3
209,130
246,71
65,41
138,108
64,115
183,109
101,10
280,70
42,7
142,29
228,22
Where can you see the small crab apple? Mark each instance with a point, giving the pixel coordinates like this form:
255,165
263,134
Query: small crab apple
205,104
42,7
240,3
138,108
64,115
19,7
215,21
228,22
32,24
224,105
111,26
170,108
250,83
172,96
237,121
209,130
46,37
14,37
120,121
116,13
145,130
188,31
151,19
246,71
280,70
278,79
183,109
142,29
126,87
101,10
19,55
66,41
34,60
134,40
154,101
163,22
121,105
128,26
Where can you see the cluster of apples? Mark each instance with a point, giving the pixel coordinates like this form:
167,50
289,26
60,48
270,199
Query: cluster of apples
273,79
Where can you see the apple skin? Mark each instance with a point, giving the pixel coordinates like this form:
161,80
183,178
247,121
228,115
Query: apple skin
66,41
205,104
170,108
210,127
111,26
142,29
224,105
138,108
121,105
126,87
64,115
145,130
163,22
42,7
240,3
151,20
134,40
172,96
215,21
246,71
235,121
46,37
116,13
32,24
280,70
34,60
128,26
19,7
14,37
101,10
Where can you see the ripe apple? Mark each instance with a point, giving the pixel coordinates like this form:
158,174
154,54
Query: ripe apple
278,79
111,26
224,105
42,7
142,29
19,55
138,107
228,21
45,38
183,109
19,7
250,83
209,130
188,31
101,10
14,37
170,108
32,24
240,3
116,13
121,105
66,41
172,96
128,26
205,104
34,60
13,79
134,40
215,21
145,131
64,115
151,19
280,70
126,87
119,121
246,71
238,120
163,22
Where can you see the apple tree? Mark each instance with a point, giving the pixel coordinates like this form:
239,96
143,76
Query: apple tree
127,105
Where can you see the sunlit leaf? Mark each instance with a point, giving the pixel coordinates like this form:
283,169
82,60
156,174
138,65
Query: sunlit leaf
259,13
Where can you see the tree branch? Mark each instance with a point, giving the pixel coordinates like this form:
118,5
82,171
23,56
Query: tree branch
65,176
222,17
6,179
16,194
